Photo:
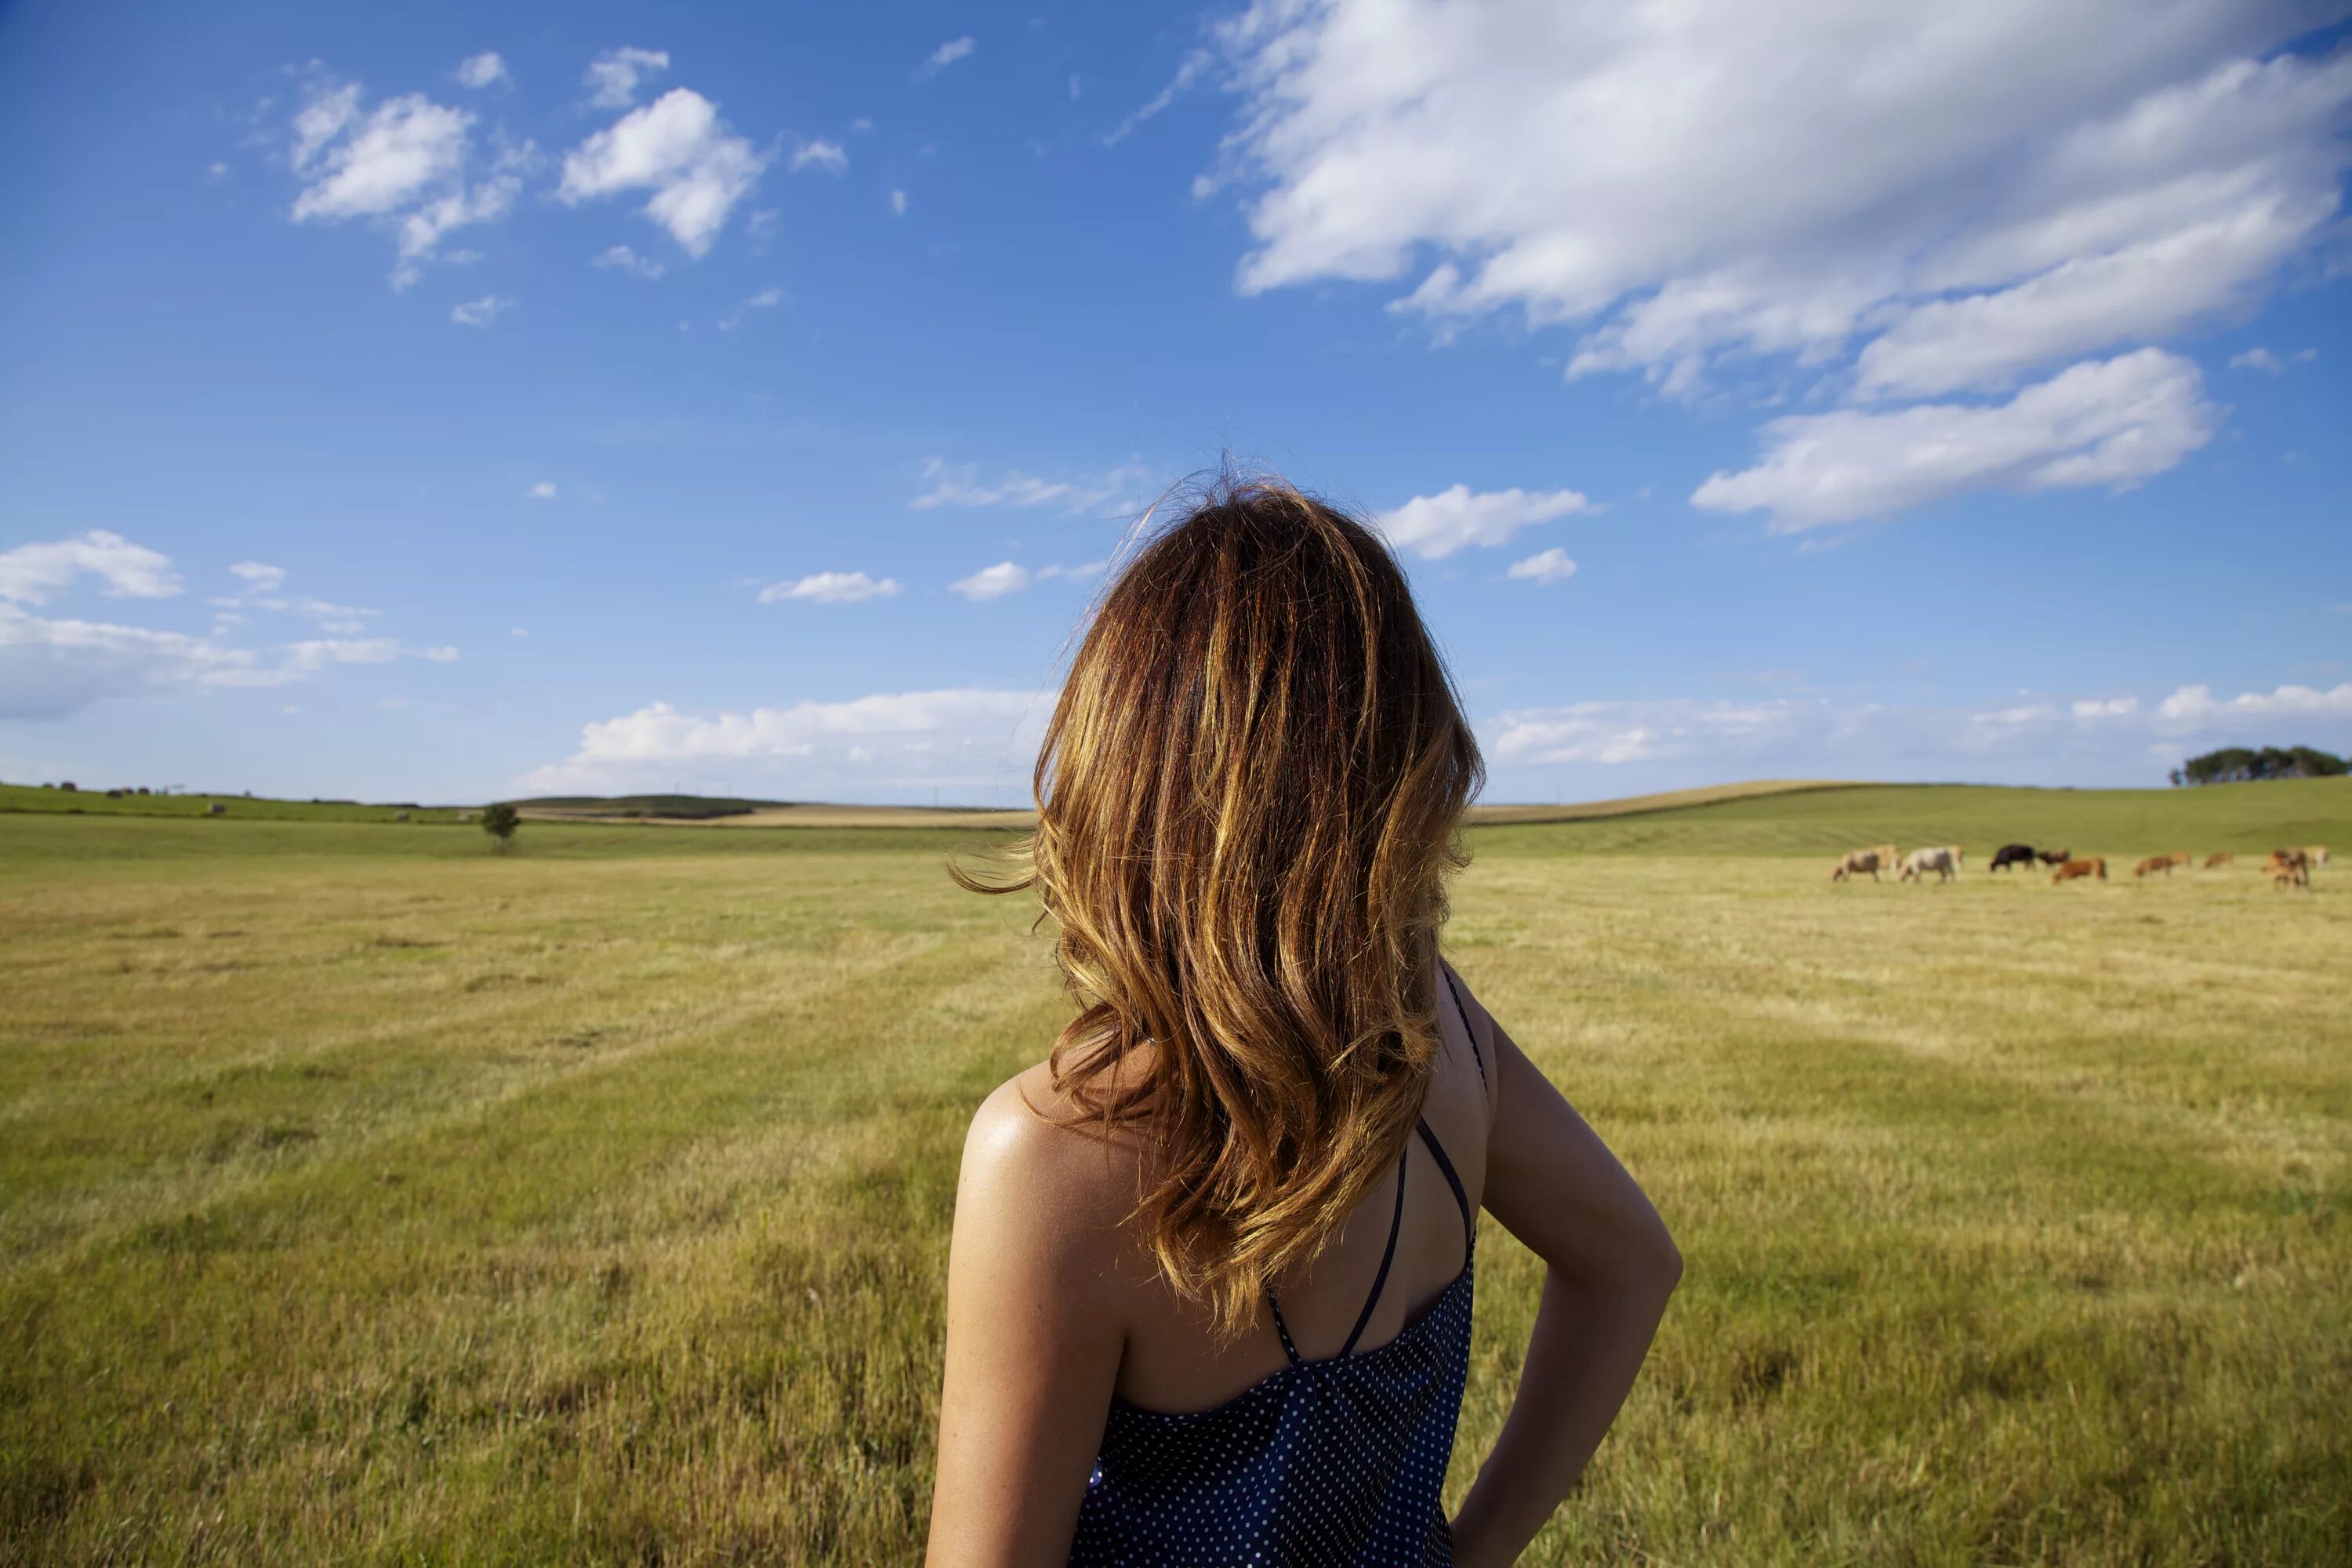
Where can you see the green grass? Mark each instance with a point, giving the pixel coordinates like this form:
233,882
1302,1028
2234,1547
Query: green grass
95,803
368,1196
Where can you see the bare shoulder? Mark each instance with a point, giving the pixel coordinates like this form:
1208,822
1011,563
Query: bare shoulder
1029,1154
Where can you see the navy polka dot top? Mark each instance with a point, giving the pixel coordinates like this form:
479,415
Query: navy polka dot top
1335,1461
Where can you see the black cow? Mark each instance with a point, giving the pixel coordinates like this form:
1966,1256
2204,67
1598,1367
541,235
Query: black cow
2013,855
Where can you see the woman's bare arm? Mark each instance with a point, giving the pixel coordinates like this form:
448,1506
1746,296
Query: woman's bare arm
1033,1343
1610,1267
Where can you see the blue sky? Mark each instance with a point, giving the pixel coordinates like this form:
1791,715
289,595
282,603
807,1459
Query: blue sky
436,402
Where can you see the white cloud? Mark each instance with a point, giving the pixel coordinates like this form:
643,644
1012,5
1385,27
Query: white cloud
1434,527
36,573
1967,201
1547,566
623,258
442,655
614,74
1188,71
2196,709
830,156
960,486
403,166
408,146
484,70
1669,743
2112,423
518,632
993,582
259,578
480,312
969,738
216,169
831,588
678,148
898,203
543,491
2262,358
49,668
946,55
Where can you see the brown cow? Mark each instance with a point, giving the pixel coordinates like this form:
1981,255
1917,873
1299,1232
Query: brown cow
2287,869
2154,863
2183,857
2218,858
2053,856
2096,866
1853,863
2317,854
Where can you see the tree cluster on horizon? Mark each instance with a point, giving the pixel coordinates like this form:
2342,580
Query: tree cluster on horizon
2238,764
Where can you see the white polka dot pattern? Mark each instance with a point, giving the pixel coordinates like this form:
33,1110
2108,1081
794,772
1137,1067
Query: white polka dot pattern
1337,1461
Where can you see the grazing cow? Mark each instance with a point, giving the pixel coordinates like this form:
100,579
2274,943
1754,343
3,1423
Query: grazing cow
2316,855
215,809
2053,856
2012,855
1853,863
2096,866
1941,857
2288,869
2218,858
2183,857
400,817
2154,863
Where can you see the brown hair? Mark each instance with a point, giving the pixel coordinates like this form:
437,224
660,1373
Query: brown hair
1248,799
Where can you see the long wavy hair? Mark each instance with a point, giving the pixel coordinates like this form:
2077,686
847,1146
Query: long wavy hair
1249,798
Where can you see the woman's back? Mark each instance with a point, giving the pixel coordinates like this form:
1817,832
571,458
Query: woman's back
1210,1294
1322,1436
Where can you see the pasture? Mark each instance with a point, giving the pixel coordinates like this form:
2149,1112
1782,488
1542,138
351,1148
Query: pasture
369,1197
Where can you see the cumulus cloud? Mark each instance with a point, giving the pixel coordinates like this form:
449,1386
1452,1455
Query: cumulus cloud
2105,423
678,148
831,588
613,75
830,156
34,573
1434,527
49,668
1783,175
620,257
946,55
960,486
480,312
1545,566
403,166
972,738
485,69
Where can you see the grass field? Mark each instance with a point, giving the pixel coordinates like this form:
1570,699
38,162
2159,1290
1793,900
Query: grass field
366,1197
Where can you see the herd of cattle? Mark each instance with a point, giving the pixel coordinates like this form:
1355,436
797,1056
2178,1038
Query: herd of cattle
2284,868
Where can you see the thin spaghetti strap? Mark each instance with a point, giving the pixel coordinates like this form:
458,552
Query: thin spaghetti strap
1461,1198
1476,1054
1379,1280
1281,1328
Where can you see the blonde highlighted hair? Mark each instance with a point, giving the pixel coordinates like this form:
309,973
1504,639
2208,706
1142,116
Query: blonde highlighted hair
1249,797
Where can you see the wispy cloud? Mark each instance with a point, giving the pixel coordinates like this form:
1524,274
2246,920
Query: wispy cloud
621,258
613,76
480,313
946,55
485,69
1545,566
1009,577
830,156
830,588
960,486
1194,65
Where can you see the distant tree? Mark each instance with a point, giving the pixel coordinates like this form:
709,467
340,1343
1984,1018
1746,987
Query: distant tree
499,820
2176,778
2241,764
